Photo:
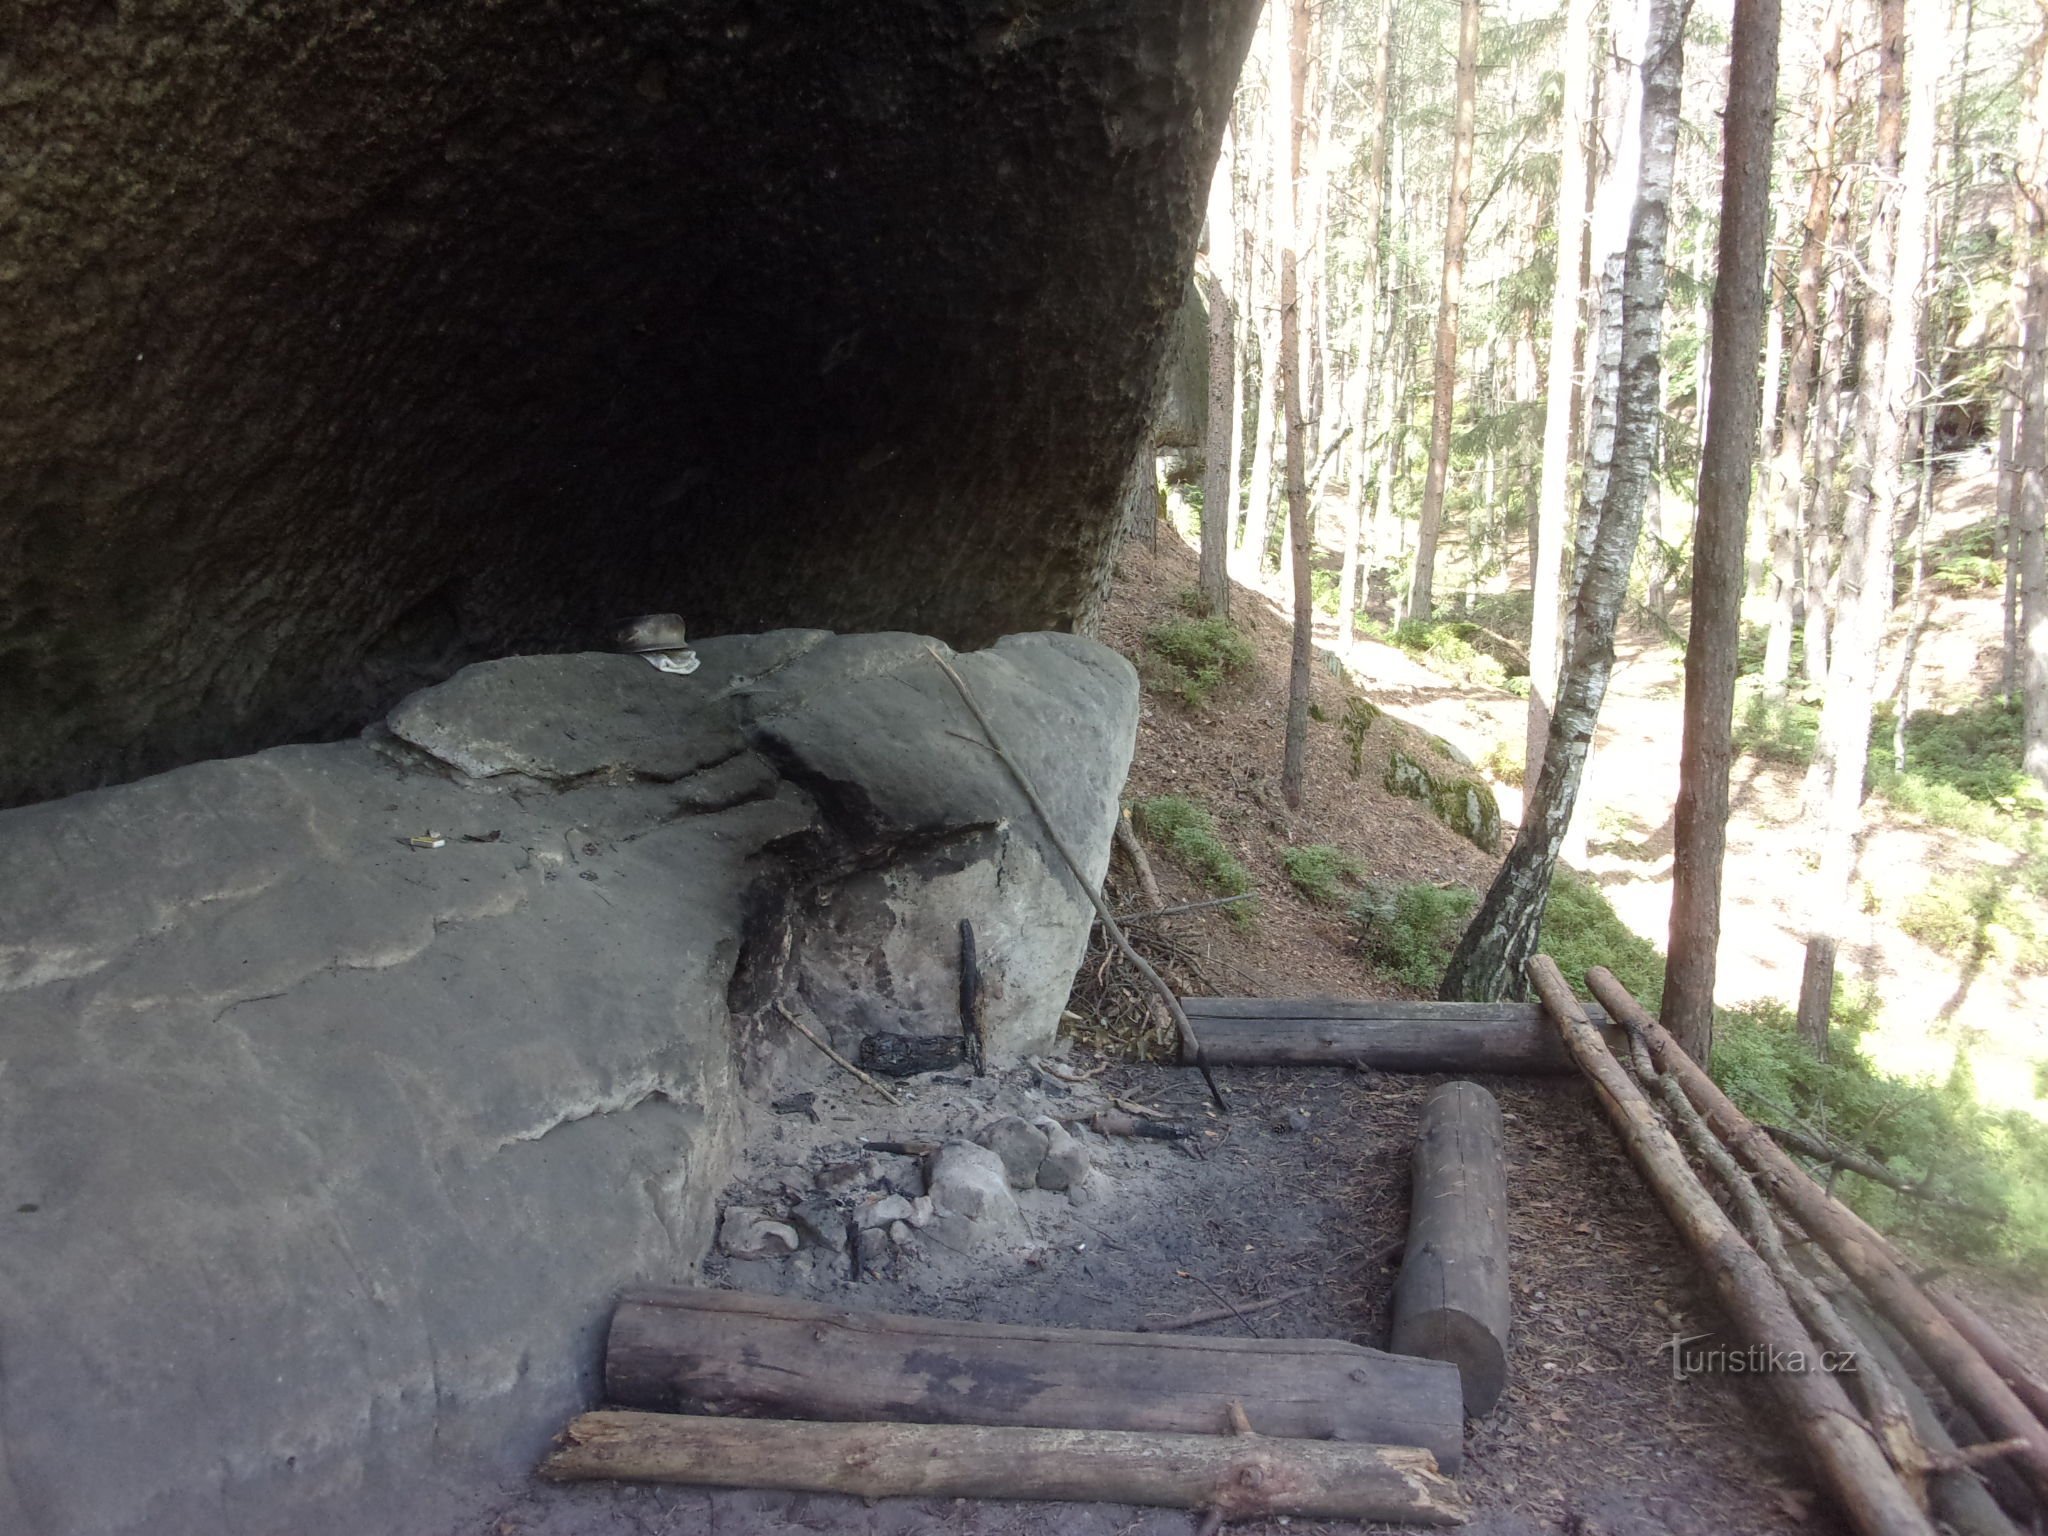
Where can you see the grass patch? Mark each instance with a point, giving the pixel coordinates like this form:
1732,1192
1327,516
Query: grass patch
1320,872
1187,832
1199,654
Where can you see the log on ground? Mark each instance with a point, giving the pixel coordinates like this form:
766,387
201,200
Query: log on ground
728,1352
1451,1301
1391,1036
1844,1451
1863,1253
1239,1477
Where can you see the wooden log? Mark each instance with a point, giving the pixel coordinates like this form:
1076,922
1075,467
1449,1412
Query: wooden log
1998,1354
1863,1254
1844,1451
728,1352
1392,1036
1955,1497
1238,1477
1451,1301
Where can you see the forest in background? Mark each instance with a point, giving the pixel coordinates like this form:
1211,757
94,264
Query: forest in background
1467,274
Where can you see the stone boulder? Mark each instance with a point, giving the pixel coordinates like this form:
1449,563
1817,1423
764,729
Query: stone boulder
344,1085
1463,802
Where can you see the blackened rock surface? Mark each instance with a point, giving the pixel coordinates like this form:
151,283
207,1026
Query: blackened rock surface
322,1154
348,344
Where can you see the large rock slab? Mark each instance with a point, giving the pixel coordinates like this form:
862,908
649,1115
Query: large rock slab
348,343
322,1153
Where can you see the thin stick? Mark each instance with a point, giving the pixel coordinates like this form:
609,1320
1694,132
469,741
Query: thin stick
1218,1314
1185,906
1191,1046
825,1046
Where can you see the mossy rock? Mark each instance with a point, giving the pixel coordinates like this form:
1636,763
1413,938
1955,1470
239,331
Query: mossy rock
1468,808
1461,802
1406,776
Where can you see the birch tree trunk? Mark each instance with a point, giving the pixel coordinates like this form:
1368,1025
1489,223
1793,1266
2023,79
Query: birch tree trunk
1443,401
1741,289
1294,755
1219,469
1565,300
1788,464
1896,262
1489,960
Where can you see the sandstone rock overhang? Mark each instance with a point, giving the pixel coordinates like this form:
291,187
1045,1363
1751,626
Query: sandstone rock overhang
345,344
325,1143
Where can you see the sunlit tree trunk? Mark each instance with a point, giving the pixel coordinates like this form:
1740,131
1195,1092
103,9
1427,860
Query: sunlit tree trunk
2031,503
1266,440
1788,465
1502,936
1371,372
1219,470
1445,371
1727,456
1566,298
1294,758
1896,259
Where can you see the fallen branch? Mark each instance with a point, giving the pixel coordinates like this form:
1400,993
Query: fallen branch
1845,1453
1127,839
1185,906
1190,1045
826,1046
1218,1314
1829,1153
1863,1254
1238,1477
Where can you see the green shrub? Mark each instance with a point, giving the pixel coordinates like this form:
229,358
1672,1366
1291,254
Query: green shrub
1922,1129
1447,647
1503,760
1409,930
1581,929
1319,871
1781,732
1188,834
1980,917
1203,652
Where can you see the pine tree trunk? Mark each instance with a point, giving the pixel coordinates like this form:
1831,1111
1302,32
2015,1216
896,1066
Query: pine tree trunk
1219,470
1294,755
1895,262
1488,962
1547,568
1827,456
1443,400
1741,290
1787,473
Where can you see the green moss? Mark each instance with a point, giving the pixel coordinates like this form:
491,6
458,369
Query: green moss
1984,917
1359,715
1320,871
